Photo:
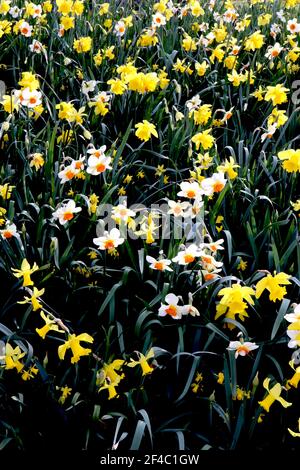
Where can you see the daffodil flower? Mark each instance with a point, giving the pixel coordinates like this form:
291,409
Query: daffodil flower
294,381
143,362
25,272
34,299
50,325
73,343
273,395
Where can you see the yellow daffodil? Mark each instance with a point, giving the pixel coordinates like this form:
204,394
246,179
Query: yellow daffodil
34,299
272,396
25,272
145,129
273,285
73,343
50,325
143,362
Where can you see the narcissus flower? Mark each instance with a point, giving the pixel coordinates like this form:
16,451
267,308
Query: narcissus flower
293,333
121,213
171,307
293,26
272,284
120,28
295,315
25,272
273,395
160,264
98,165
109,240
73,343
145,129
215,184
190,190
9,231
143,362
187,255
241,348
66,212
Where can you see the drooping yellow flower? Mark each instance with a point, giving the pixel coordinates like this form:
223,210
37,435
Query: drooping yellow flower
6,190
34,299
220,378
272,284
143,362
273,395
65,392
29,374
108,377
73,343
37,161
12,357
145,129
50,325
25,272
228,167
294,381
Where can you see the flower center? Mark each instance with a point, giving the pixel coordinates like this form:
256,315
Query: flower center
100,168
159,266
109,244
7,234
243,349
191,193
70,174
209,276
189,258
171,310
218,187
68,215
